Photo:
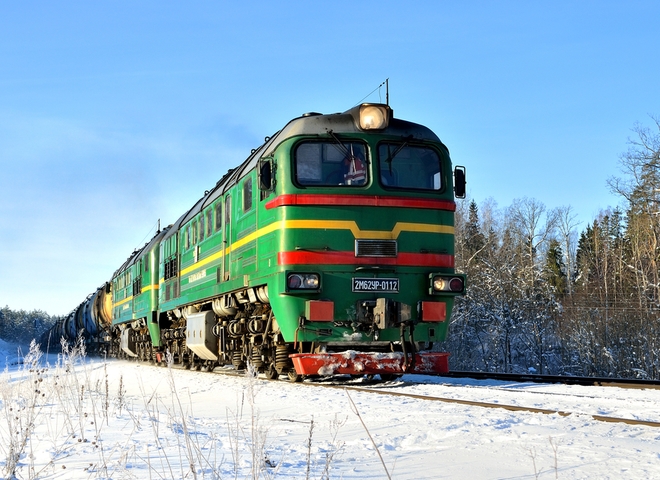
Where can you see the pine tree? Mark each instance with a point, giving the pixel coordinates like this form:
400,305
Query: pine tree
474,239
555,270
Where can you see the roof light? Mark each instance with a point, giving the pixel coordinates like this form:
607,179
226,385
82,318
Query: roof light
374,117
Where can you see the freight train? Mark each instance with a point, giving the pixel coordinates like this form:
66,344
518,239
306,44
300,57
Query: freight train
329,250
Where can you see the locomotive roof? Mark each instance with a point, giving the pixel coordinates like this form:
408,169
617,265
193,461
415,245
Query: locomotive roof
318,124
138,252
307,124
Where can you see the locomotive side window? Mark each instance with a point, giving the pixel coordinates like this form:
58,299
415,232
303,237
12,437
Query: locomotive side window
409,167
227,210
218,216
247,195
209,225
331,164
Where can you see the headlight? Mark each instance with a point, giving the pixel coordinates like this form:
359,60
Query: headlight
303,281
373,117
439,284
449,284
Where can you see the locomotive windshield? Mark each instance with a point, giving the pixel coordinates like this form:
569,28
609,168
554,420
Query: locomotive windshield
409,167
331,163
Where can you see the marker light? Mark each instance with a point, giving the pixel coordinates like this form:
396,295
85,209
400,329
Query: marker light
373,117
447,284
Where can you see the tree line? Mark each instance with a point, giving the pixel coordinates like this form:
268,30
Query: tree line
20,326
543,297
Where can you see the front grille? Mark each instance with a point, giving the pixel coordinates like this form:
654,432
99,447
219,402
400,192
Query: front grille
375,248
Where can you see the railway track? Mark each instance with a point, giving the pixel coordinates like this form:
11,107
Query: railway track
376,387
512,408
562,379
386,388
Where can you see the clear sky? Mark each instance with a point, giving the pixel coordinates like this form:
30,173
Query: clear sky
114,114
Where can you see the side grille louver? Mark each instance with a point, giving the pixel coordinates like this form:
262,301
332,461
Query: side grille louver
375,248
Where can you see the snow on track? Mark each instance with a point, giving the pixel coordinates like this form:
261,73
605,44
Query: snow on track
638,403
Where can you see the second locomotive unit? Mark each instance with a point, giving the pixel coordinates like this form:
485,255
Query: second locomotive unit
329,250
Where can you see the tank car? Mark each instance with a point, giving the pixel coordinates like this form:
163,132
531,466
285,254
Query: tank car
329,250
90,321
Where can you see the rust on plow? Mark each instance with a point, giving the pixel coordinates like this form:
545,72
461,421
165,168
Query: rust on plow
365,363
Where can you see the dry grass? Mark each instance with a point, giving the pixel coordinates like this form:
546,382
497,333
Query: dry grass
58,417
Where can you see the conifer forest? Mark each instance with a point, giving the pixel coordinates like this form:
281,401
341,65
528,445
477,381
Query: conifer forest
549,295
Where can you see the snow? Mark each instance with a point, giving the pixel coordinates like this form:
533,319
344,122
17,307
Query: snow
116,419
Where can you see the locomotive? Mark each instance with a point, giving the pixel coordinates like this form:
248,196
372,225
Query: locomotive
329,250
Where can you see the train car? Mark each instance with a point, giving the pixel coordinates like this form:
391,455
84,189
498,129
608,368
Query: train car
134,288
89,322
330,249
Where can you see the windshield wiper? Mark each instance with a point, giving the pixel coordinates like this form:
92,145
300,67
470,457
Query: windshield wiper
344,148
390,156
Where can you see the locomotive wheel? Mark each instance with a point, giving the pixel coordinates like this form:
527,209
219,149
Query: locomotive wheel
388,377
294,377
271,373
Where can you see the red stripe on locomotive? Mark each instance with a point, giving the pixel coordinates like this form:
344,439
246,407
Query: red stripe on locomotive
348,258
360,201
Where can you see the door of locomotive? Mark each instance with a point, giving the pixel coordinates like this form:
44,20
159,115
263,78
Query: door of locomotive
169,265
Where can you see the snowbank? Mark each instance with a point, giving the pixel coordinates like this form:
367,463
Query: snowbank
118,419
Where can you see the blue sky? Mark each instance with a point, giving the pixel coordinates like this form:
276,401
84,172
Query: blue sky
116,114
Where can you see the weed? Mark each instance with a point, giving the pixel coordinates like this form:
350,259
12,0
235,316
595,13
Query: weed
52,416
357,413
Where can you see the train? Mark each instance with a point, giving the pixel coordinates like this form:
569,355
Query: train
329,250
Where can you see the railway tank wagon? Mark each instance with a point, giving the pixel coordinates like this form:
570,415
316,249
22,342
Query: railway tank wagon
89,321
329,250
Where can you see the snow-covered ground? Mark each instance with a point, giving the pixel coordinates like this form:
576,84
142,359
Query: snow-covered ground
86,418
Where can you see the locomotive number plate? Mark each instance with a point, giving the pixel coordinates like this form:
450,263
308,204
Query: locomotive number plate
376,285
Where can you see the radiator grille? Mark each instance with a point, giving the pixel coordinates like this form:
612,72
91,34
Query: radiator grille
375,248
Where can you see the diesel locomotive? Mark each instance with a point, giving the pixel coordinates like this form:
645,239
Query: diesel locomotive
329,250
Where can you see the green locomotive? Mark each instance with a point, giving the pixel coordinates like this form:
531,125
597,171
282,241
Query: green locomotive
329,250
